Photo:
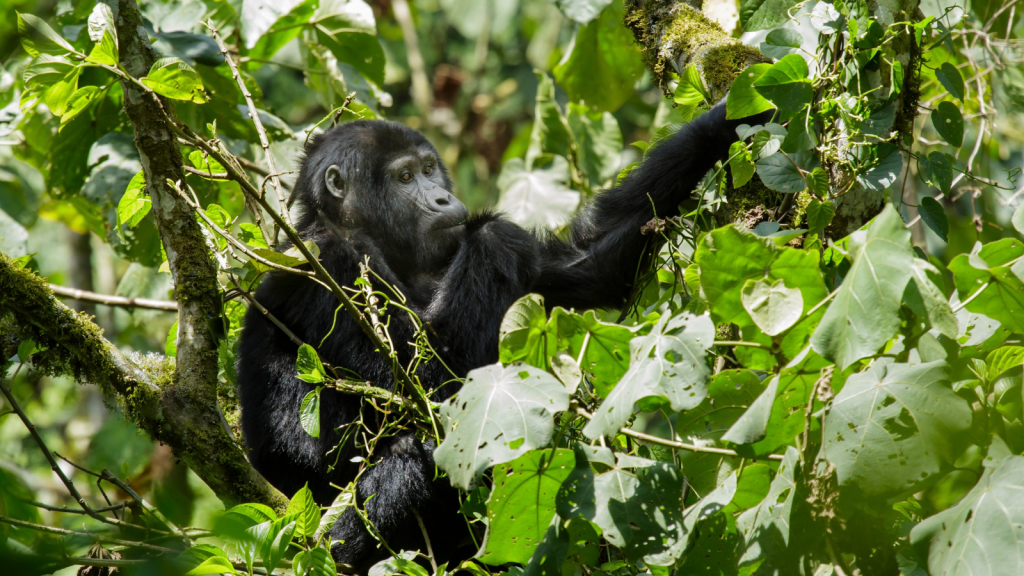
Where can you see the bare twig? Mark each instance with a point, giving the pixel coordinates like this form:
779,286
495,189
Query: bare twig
252,300
108,300
426,537
94,537
255,116
421,93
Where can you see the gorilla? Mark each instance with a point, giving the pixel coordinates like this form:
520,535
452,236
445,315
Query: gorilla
379,191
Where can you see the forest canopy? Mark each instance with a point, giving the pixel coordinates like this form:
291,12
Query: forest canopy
819,369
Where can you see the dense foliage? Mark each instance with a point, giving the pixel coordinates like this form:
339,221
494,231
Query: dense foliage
819,371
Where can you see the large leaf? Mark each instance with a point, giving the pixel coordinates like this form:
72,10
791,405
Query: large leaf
602,347
669,362
538,198
785,84
37,37
499,414
743,100
550,132
988,279
604,63
767,527
173,78
764,14
259,16
348,29
730,257
981,535
639,511
771,305
599,143
864,314
306,512
522,504
894,426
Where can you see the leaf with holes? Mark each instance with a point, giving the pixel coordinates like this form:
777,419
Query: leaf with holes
669,362
500,413
895,426
864,313
981,535
522,504
949,123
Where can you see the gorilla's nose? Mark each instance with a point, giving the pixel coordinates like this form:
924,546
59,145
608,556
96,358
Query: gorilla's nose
448,206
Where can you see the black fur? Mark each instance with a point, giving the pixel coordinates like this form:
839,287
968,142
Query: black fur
460,281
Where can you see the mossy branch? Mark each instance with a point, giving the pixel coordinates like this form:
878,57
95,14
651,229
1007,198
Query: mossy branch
674,34
71,344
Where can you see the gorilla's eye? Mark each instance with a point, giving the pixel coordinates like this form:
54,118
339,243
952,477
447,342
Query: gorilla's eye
428,170
405,176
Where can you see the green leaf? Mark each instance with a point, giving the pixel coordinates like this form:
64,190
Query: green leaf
521,332
741,163
819,215
864,313
45,71
57,95
598,143
1018,218
771,305
886,170
501,413
309,412
348,29
292,257
988,272
640,511
604,65
981,534
314,562
934,216
668,362
999,361
951,80
896,78
308,364
38,38
206,164
895,426
781,42
743,100
305,510
780,173
78,102
817,182
801,134
690,92
258,17
935,303
274,545
175,79
937,170
105,51
268,25
949,123
766,528
785,84
550,133
135,203
729,256
522,504
764,14
604,346
213,565
251,235
171,342
101,21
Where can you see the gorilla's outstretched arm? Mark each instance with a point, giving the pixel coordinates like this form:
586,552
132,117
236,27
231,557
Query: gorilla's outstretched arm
596,265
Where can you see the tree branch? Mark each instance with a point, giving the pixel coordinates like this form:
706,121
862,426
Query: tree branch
674,34
108,300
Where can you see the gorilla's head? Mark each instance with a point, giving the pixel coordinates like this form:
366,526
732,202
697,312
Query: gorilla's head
382,183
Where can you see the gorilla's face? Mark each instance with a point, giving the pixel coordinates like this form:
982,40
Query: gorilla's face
395,192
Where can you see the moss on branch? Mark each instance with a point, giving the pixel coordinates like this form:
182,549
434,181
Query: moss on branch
674,34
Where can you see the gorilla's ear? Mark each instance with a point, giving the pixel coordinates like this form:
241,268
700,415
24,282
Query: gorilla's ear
334,180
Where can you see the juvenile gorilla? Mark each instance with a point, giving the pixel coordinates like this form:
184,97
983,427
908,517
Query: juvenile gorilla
378,189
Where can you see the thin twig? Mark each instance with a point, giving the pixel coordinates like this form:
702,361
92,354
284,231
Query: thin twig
426,538
94,537
681,445
255,116
108,300
252,300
